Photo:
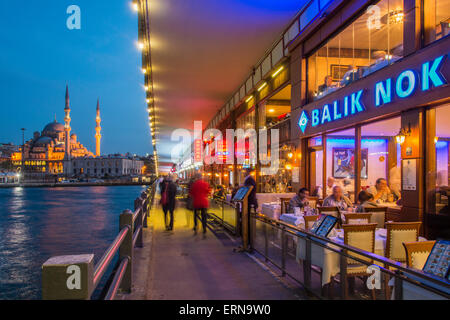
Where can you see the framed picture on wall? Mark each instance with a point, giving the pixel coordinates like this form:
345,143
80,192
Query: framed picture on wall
338,71
344,163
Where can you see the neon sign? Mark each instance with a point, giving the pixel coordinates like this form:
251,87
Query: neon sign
404,86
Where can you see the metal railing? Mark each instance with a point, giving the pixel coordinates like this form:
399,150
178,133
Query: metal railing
75,276
277,241
226,214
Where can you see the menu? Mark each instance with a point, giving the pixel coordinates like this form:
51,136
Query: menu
317,223
240,194
409,174
439,259
326,226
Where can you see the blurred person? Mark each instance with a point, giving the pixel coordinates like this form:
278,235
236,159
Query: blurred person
250,181
199,192
381,192
168,195
300,200
365,200
337,199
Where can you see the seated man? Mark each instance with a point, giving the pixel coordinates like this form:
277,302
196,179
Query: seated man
381,192
337,199
327,84
350,76
331,183
300,200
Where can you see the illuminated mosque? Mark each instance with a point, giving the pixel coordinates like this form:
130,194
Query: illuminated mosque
52,150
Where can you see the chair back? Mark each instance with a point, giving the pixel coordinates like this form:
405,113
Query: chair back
361,236
309,221
378,216
417,253
357,218
313,201
397,234
319,203
284,204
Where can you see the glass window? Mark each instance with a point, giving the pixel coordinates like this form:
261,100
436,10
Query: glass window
340,169
442,163
437,19
381,160
370,43
315,159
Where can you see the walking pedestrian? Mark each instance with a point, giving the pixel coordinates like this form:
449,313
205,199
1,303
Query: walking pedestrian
199,192
168,194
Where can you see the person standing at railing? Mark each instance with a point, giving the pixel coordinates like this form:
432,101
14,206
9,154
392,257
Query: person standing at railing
168,195
199,192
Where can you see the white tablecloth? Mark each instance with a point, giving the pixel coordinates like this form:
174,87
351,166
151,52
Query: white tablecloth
328,260
271,210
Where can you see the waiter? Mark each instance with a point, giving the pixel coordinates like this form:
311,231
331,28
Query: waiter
250,181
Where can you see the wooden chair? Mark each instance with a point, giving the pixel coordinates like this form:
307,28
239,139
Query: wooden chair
309,221
357,218
319,203
417,253
313,202
361,236
398,233
378,215
284,204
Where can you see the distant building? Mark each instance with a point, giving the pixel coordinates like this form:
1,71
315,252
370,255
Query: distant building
107,167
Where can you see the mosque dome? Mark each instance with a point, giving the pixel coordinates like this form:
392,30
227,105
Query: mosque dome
54,127
43,141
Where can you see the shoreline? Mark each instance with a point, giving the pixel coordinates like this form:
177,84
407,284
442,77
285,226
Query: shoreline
72,185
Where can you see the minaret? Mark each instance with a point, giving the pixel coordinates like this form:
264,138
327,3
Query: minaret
67,123
98,136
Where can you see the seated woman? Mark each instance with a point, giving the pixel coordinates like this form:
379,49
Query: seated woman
219,193
365,200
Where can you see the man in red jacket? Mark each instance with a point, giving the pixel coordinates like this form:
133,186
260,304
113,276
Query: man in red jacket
199,193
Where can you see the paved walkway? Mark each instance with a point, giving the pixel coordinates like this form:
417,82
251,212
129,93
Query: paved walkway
187,266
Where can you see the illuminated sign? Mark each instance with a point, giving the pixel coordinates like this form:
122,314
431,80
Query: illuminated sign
198,150
403,86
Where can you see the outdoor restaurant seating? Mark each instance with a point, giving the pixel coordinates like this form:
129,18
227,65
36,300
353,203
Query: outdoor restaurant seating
361,236
398,233
333,211
284,205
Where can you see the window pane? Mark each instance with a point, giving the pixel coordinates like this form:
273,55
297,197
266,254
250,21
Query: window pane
442,158
370,43
381,160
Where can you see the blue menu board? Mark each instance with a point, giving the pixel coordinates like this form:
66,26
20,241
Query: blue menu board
326,226
317,223
439,260
240,194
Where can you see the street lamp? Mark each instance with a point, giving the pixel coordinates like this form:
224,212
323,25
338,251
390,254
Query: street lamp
23,151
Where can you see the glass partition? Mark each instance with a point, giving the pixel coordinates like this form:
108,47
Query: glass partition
437,19
370,43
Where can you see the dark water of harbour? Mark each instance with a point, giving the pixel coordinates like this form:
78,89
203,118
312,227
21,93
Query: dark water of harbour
38,223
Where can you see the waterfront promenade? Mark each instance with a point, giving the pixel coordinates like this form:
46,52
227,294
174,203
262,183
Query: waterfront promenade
181,265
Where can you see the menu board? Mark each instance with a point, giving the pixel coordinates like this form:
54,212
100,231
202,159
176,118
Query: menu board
439,260
241,193
409,174
317,223
326,226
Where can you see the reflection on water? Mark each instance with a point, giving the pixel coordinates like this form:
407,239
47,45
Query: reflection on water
38,223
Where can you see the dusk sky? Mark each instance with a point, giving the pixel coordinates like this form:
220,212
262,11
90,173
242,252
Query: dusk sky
40,55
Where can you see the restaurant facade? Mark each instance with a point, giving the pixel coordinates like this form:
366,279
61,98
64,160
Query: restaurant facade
359,90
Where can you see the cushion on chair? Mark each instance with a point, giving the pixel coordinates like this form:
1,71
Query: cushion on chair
358,221
397,251
418,259
362,240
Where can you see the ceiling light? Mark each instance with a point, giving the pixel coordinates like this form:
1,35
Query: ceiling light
271,110
248,99
278,72
262,86
135,6
144,71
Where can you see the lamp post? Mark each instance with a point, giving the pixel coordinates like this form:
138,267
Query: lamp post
23,154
